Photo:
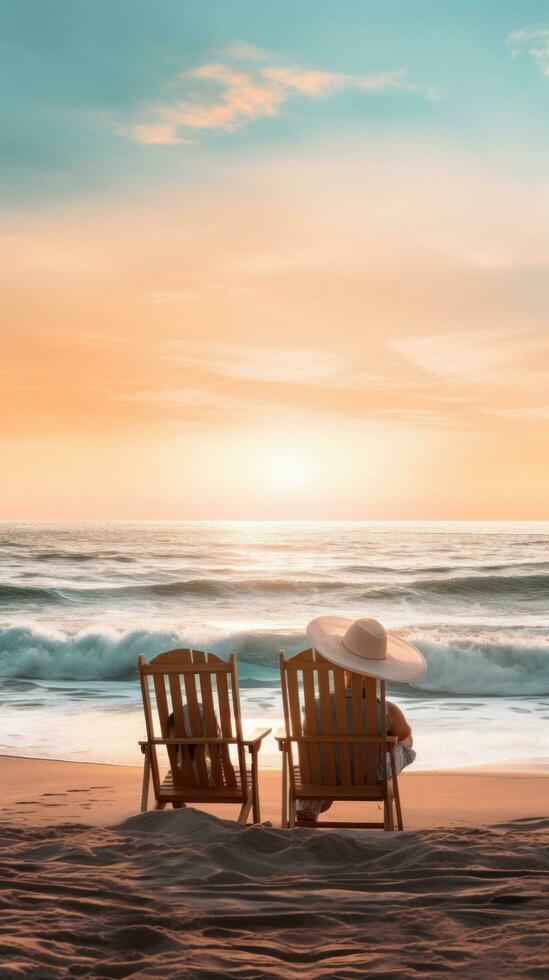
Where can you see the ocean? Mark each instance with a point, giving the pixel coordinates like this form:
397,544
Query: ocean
80,602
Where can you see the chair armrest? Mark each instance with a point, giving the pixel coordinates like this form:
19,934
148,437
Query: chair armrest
281,737
256,737
192,740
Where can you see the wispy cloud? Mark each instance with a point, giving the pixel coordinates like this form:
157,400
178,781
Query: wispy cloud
497,258
461,355
244,402
174,295
532,413
271,364
242,51
155,133
497,357
224,96
535,43
412,417
192,405
281,365
99,338
205,401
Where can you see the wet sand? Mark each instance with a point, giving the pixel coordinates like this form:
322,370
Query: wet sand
39,792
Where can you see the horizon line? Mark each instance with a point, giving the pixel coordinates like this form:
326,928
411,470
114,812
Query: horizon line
281,520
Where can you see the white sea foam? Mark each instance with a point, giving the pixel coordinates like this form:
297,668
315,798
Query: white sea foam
484,664
459,663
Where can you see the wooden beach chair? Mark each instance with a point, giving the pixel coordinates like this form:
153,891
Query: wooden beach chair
195,699
317,740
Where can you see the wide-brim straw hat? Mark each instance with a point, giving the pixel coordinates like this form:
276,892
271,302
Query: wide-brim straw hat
363,646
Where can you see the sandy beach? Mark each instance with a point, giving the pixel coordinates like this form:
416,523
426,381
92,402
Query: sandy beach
40,792
92,889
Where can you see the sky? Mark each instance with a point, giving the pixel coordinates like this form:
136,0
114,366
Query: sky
274,261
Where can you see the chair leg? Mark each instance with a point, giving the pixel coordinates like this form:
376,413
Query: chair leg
284,807
388,823
256,809
160,805
291,821
146,775
398,808
245,809
178,805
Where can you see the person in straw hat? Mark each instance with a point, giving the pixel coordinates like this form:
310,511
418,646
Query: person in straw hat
363,646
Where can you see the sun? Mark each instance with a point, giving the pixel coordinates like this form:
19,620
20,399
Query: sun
287,472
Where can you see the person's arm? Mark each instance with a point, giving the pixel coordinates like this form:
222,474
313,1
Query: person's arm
399,725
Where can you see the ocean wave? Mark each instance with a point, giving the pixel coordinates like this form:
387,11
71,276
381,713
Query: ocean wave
81,556
459,663
532,586
510,568
42,654
488,664
10,594
206,588
38,653
463,587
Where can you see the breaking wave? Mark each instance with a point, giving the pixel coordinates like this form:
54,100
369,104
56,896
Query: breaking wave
493,665
465,663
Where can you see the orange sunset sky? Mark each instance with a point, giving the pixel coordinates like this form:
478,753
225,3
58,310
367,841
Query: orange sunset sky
286,296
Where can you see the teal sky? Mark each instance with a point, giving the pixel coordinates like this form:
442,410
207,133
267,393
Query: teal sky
78,74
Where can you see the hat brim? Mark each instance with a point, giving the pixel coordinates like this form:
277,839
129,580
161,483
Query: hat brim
403,662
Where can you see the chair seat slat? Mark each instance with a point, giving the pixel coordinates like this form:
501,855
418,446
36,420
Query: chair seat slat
326,716
357,683
196,728
210,723
342,725
311,722
296,722
187,771
226,726
372,728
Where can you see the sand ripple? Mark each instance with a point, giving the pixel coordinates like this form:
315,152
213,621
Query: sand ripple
183,894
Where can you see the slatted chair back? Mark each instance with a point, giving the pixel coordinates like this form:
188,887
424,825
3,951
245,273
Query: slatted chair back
318,705
189,694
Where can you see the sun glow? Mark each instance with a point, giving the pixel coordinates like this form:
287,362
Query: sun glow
287,472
